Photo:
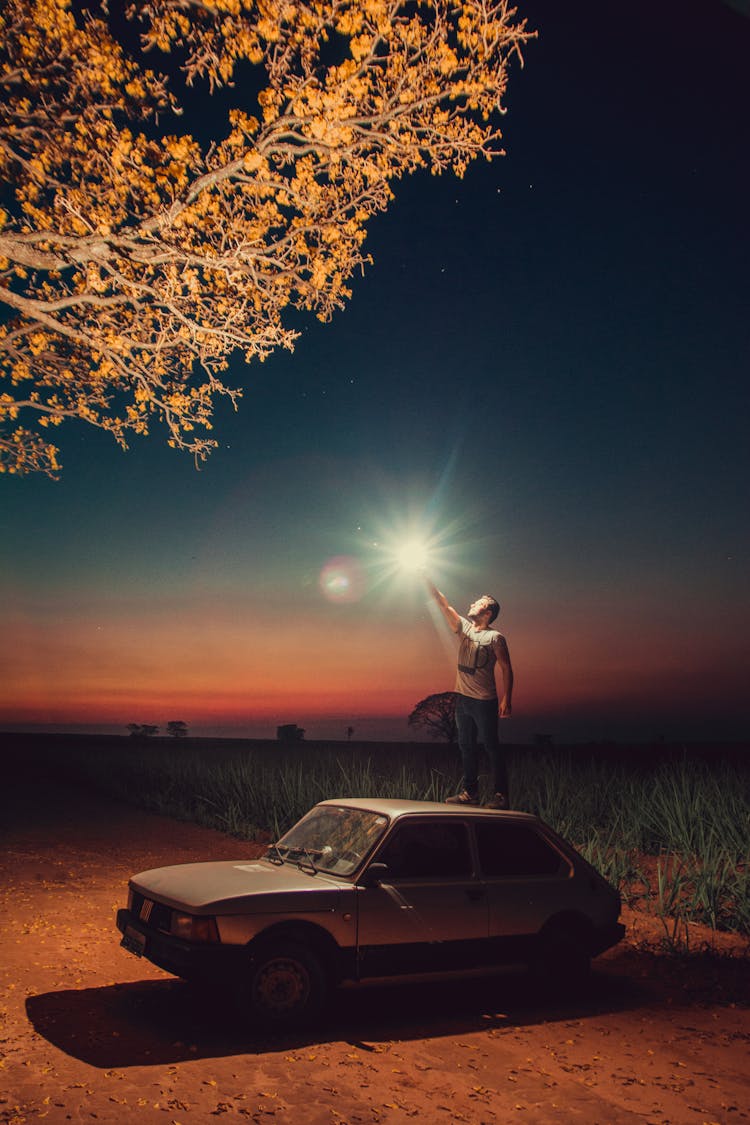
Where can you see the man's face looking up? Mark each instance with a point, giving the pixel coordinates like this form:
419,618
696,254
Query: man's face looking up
479,607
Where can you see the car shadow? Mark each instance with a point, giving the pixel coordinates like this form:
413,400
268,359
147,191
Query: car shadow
144,1023
150,1022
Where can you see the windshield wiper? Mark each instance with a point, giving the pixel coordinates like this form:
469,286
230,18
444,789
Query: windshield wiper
303,864
273,855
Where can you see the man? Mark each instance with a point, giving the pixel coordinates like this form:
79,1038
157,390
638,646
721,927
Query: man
481,650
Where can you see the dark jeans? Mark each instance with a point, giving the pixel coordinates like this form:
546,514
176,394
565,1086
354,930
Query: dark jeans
476,720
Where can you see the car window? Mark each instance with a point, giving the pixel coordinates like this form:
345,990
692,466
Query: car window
513,850
335,838
428,850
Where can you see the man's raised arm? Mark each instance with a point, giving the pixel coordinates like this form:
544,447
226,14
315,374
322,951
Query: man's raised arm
448,612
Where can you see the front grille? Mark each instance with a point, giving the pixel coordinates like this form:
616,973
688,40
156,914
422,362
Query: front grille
152,914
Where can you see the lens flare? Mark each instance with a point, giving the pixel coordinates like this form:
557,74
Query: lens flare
342,579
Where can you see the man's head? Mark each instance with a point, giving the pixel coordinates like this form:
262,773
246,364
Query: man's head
484,610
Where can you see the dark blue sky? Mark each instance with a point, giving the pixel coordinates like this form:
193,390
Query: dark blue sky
547,362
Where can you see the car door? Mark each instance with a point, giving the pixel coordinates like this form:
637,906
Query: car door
430,911
527,880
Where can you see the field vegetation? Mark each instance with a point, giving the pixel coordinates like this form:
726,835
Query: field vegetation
670,829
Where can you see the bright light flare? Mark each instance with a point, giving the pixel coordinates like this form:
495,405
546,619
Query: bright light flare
412,556
407,550
400,549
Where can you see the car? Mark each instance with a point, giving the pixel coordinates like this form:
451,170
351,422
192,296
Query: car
366,889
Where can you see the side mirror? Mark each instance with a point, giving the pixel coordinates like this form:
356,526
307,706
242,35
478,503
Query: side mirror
374,875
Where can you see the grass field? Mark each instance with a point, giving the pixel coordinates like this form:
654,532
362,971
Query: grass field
667,825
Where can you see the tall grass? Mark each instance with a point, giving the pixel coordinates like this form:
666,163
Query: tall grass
693,816
246,794
614,812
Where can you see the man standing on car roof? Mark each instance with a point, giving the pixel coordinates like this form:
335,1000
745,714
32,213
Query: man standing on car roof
481,650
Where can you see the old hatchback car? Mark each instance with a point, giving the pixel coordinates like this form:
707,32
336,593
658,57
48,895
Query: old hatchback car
361,889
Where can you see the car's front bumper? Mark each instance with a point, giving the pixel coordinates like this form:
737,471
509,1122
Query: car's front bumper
193,960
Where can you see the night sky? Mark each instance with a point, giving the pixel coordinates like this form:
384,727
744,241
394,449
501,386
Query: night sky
544,371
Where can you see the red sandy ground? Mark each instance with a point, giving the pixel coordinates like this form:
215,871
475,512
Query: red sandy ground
88,1033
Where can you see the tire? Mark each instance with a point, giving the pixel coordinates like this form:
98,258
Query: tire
287,985
561,961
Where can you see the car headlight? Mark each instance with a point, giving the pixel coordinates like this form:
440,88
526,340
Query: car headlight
190,927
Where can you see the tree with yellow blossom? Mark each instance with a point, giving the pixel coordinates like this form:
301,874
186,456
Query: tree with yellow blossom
136,261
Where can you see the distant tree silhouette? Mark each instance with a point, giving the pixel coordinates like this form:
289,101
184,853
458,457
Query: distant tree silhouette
349,733
437,714
177,729
142,730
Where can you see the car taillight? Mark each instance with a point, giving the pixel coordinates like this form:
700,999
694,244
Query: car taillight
190,927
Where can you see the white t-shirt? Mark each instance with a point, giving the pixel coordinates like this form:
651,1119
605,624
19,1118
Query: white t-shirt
478,651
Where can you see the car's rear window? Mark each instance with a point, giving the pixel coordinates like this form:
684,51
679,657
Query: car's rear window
509,850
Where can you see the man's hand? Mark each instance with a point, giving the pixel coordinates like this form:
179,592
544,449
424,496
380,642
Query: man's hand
447,611
505,708
430,585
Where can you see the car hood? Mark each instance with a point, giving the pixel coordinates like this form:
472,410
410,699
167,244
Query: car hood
239,887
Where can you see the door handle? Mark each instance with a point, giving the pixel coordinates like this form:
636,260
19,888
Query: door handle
475,893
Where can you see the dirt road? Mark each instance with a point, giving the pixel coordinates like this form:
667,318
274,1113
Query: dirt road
91,1034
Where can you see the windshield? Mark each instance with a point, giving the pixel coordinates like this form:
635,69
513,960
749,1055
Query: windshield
331,838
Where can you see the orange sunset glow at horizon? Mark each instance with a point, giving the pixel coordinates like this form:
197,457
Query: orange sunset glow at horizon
223,670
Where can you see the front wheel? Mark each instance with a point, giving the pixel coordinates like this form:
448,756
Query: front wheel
287,984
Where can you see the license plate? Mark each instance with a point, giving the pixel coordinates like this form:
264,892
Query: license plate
133,941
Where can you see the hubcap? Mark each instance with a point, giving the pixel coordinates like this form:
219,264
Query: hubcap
282,985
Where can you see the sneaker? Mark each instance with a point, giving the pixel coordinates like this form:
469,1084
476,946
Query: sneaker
463,798
499,801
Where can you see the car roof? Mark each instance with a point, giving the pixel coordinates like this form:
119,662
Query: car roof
395,807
